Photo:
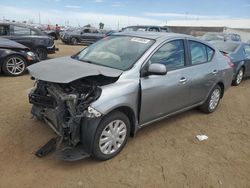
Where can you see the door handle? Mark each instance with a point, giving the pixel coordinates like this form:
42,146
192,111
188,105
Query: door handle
183,80
214,72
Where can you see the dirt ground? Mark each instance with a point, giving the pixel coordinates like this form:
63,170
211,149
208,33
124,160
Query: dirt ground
165,154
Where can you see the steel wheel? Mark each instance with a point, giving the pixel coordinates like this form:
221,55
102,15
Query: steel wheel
239,76
214,100
14,66
112,137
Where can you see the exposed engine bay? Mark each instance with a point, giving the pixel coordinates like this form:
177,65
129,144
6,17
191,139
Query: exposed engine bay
63,106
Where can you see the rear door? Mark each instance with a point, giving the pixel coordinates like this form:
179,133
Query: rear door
165,94
204,70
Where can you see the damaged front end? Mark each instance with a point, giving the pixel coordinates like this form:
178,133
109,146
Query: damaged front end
66,109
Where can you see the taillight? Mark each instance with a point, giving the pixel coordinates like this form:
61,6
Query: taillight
229,61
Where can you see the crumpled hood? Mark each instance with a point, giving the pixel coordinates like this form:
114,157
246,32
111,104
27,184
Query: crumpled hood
66,70
10,44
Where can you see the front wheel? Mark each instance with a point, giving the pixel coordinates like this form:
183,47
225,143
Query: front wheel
239,77
111,136
212,101
14,65
41,53
73,41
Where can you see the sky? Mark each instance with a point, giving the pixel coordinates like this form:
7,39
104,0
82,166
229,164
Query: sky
117,13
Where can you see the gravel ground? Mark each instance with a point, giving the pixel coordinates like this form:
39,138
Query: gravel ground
165,154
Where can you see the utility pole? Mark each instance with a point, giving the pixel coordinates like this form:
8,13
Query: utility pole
39,17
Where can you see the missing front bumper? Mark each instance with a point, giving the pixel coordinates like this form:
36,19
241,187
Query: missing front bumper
66,153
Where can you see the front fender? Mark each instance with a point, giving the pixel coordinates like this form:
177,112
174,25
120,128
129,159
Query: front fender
119,94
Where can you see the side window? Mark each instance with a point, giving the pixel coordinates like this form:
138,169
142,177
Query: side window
21,30
154,29
4,30
210,53
171,54
200,53
86,31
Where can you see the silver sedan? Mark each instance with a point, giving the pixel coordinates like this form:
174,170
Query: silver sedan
99,97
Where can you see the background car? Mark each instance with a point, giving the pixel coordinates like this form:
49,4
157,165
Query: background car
15,57
213,36
118,85
239,54
36,40
146,28
86,35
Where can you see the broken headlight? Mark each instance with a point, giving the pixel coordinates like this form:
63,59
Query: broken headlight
92,113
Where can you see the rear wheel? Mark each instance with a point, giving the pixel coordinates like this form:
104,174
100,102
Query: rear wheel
14,65
74,41
111,136
41,53
239,77
212,101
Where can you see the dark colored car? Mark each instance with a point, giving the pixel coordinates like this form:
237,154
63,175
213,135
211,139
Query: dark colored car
38,42
239,54
214,36
146,28
85,35
15,57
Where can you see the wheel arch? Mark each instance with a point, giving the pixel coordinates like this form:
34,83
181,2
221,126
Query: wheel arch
222,86
131,116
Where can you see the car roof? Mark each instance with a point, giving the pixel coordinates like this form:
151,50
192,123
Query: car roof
153,35
145,26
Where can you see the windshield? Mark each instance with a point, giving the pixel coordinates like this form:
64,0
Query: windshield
210,37
118,52
226,47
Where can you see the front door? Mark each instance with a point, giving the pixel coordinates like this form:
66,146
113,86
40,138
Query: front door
165,94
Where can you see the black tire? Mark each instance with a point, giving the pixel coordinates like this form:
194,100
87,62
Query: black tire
41,53
206,107
73,41
238,78
96,151
10,70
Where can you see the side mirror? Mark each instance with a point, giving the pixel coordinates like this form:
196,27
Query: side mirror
157,69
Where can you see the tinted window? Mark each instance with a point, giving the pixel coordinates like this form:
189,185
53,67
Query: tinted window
86,31
154,29
21,30
164,29
171,54
4,30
